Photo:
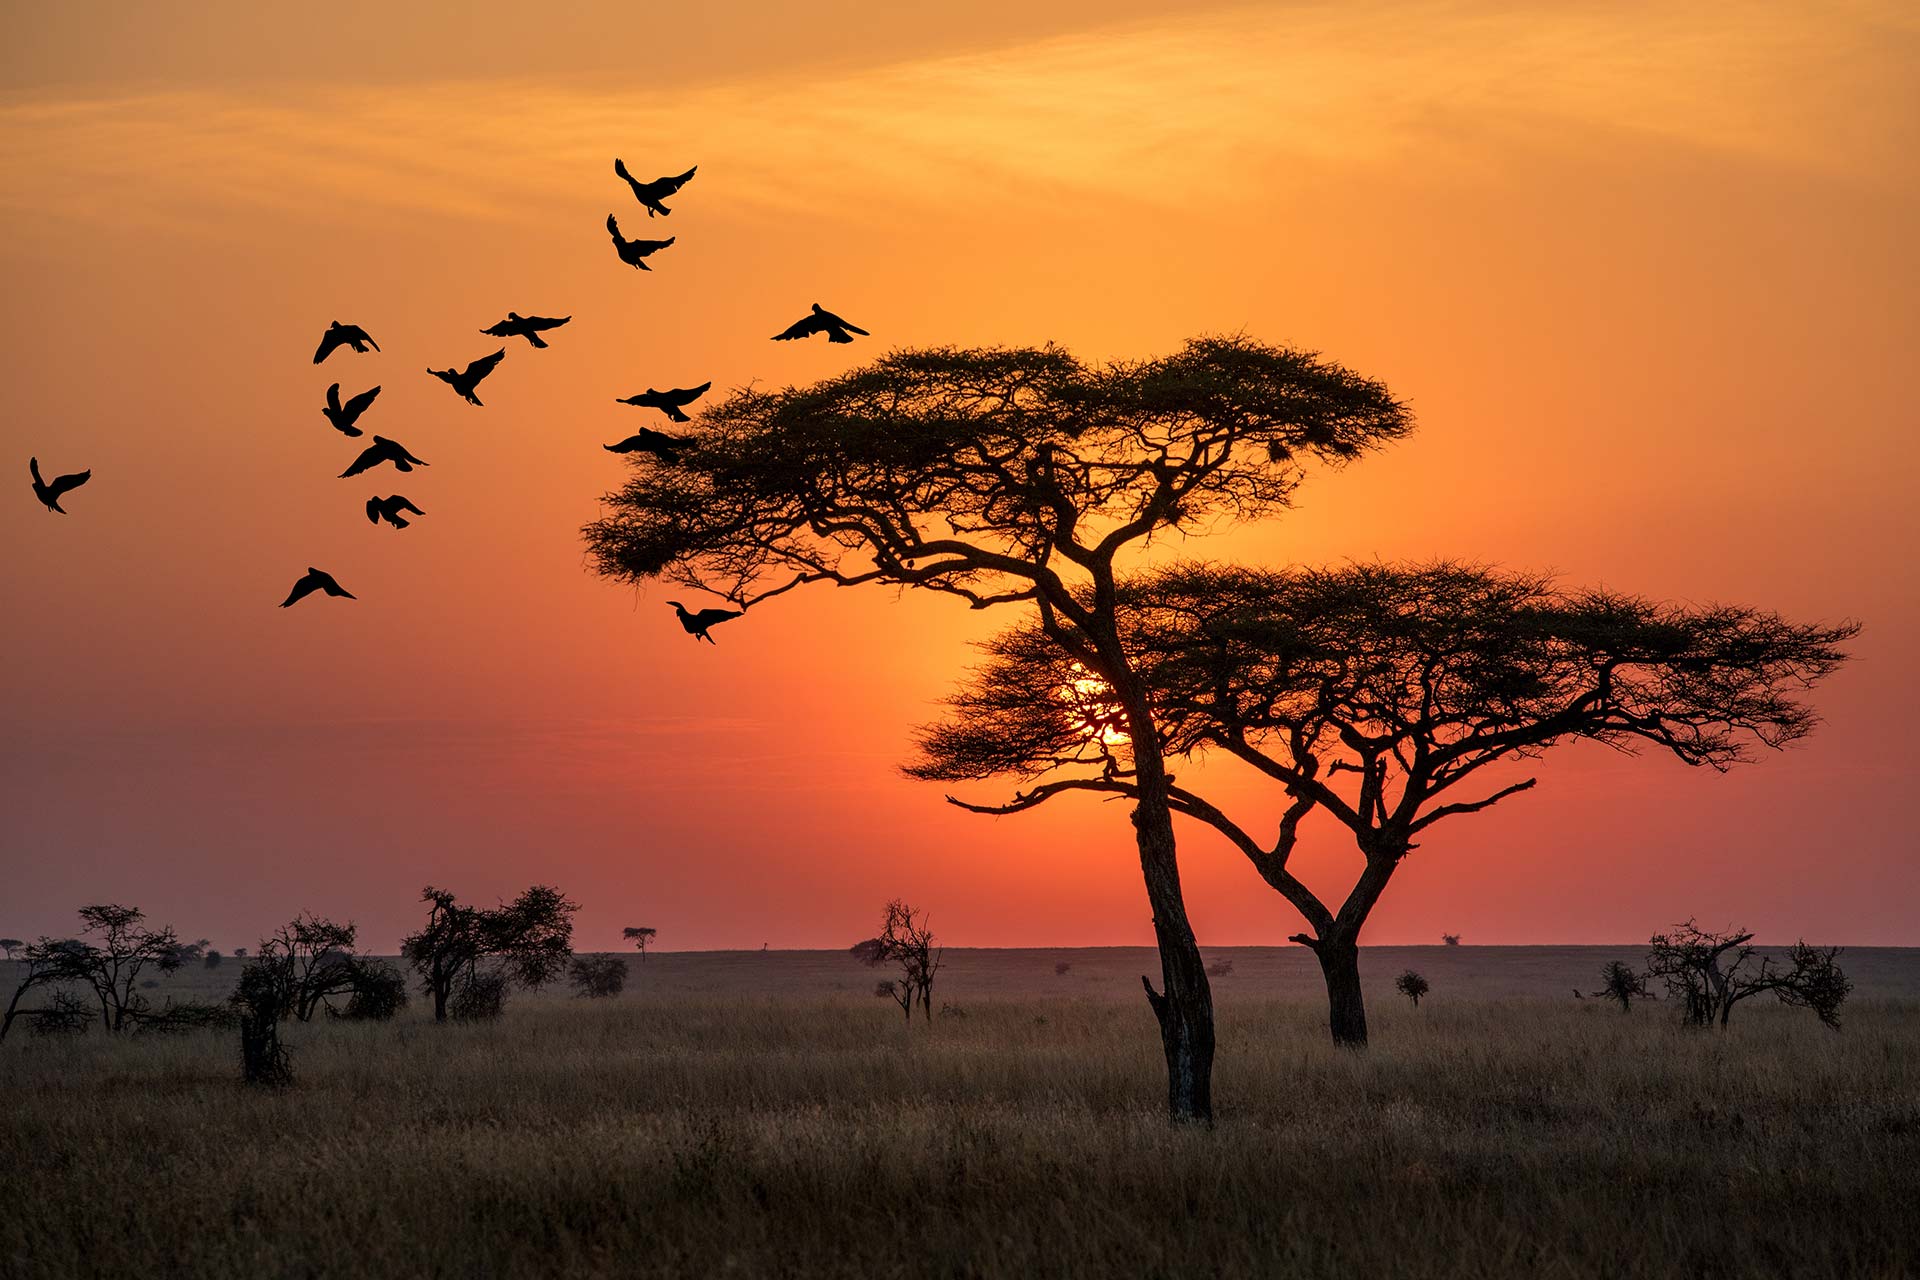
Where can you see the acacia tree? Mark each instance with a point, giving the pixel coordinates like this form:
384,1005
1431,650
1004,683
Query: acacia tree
640,935
905,940
1709,973
115,948
1620,983
10,945
1371,694
46,962
532,937
1007,477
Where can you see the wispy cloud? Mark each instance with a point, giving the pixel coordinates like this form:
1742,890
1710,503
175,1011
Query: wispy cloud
1155,116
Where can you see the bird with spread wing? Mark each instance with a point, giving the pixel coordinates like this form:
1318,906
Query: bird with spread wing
343,416
528,327
49,491
670,402
821,320
382,450
650,194
634,252
343,335
315,580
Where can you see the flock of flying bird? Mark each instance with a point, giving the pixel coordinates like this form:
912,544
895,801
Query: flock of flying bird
344,415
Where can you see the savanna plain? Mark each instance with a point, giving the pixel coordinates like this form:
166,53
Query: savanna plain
763,1113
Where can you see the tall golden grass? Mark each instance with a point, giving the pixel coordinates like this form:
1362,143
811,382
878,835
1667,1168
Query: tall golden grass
709,1124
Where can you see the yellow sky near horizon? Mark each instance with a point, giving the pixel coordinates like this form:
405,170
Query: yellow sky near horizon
1645,273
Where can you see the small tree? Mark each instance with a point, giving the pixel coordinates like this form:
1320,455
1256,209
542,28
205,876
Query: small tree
263,997
239,953
10,945
121,948
47,962
321,964
1620,983
530,938
379,992
214,960
640,935
1709,973
597,977
1412,986
1451,939
906,940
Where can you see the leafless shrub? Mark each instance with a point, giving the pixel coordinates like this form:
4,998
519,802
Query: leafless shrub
1709,973
1620,983
481,998
906,940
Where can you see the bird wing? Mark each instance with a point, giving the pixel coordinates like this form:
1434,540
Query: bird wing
371,456
60,484
687,395
712,617
613,229
838,323
333,397
681,181
33,465
505,329
358,405
332,588
402,457
484,365
628,445
401,504
363,335
539,323
373,510
806,328
328,341
303,587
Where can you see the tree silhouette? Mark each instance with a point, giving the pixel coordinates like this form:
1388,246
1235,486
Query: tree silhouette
1621,984
640,935
1709,973
10,945
1007,477
1371,694
1412,985
906,940
532,936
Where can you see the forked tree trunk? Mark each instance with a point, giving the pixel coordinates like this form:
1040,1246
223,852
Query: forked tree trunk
1346,1006
1184,1004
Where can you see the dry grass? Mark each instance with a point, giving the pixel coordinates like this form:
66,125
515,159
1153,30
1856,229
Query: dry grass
700,1126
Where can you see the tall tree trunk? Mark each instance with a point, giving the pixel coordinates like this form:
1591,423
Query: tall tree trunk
1184,1004
1346,1006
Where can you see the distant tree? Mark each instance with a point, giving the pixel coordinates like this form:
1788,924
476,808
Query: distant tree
47,962
1709,973
1621,984
1451,939
530,938
1008,477
597,977
264,996
906,940
10,945
186,953
481,998
115,948
320,960
239,953
1061,967
379,992
214,960
1373,694
1412,986
640,935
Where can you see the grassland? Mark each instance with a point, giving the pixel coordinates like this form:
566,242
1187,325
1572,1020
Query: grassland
762,1114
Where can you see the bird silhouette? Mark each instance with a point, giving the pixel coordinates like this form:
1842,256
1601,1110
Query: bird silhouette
389,509
821,321
49,492
315,580
632,252
658,443
668,402
343,335
343,416
382,450
528,327
652,193
696,624
470,377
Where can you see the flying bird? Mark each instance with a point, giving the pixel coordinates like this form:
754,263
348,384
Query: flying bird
470,377
382,450
658,443
632,252
315,580
528,327
49,493
668,402
389,509
696,624
821,321
343,416
343,335
652,193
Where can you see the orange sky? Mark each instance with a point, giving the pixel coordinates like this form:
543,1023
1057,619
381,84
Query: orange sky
1646,273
